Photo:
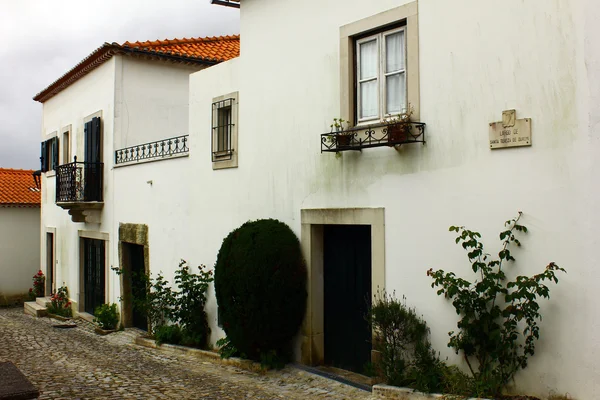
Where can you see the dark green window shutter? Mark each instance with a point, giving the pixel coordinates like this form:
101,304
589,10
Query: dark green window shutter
93,140
43,158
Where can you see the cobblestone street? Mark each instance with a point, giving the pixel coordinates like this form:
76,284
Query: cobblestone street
78,364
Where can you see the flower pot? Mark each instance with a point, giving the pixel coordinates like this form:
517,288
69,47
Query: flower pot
343,140
397,133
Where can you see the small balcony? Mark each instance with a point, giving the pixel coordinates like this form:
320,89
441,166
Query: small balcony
377,135
154,151
79,189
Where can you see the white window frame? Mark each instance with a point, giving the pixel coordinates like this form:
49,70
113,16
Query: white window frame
381,75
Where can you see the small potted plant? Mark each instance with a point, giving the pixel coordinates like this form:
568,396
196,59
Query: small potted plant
60,306
106,318
340,135
399,127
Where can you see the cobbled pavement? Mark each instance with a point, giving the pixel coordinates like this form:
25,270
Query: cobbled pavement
78,364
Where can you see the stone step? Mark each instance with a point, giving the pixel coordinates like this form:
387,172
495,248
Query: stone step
43,301
34,309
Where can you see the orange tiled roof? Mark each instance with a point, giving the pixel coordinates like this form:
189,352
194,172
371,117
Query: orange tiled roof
17,188
220,48
205,51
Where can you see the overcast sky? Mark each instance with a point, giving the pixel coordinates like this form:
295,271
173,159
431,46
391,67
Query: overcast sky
43,39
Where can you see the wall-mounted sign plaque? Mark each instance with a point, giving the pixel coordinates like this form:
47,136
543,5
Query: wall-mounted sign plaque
510,132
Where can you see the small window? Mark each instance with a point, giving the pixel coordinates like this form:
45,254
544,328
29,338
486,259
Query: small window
66,150
224,131
381,75
49,154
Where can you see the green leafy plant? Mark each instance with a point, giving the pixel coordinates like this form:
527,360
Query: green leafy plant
168,334
60,304
107,316
227,349
260,284
176,315
498,318
402,338
190,301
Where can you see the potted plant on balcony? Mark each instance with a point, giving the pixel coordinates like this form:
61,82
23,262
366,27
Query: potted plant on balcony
339,133
399,127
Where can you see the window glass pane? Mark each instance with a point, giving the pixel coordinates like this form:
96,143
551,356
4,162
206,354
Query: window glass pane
395,88
368,59
224,129
368,99
394,49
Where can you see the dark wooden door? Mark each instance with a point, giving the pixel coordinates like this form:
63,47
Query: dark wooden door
347,295
138,284
49,263
93,271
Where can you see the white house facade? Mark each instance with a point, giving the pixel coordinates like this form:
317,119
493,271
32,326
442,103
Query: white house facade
507,92
502,98
111,117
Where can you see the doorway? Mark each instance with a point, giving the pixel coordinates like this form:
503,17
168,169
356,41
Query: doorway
134,284
50,263
93,274
347,296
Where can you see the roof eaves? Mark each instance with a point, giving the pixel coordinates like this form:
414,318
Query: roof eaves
20,205
103,54
92,61
172,56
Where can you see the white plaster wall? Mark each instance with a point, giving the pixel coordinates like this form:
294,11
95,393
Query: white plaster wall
19,238
152,101
477,58
95,92
141,101
152,104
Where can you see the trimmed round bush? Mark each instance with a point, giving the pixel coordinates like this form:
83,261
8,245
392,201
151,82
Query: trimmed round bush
260,284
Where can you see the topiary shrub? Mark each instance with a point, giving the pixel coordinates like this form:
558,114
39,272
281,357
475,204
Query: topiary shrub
260,284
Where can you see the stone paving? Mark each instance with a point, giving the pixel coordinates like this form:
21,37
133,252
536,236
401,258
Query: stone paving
78,364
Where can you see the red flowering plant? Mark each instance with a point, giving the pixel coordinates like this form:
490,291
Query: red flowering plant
39,281
60,304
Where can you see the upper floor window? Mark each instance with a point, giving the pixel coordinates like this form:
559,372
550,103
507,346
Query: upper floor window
66,147
379,65
224,135
49,154
381,75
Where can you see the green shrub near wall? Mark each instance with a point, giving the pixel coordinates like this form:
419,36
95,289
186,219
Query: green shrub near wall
260,284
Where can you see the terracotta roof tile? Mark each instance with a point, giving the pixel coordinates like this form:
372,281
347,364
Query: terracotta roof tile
221,48
204,51
17,188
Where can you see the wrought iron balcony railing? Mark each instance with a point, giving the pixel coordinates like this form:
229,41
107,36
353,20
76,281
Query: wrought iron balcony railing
159,149
377,135
79,182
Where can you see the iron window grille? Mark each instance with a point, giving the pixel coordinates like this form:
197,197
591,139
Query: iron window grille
222,128
153,150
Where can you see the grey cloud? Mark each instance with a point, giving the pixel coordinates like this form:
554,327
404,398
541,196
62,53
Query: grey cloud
44,39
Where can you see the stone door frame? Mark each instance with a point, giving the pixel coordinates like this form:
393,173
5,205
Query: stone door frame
134,234
311,234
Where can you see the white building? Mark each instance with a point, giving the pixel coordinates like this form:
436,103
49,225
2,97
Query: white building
382,213
459,65
104,121
19,233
